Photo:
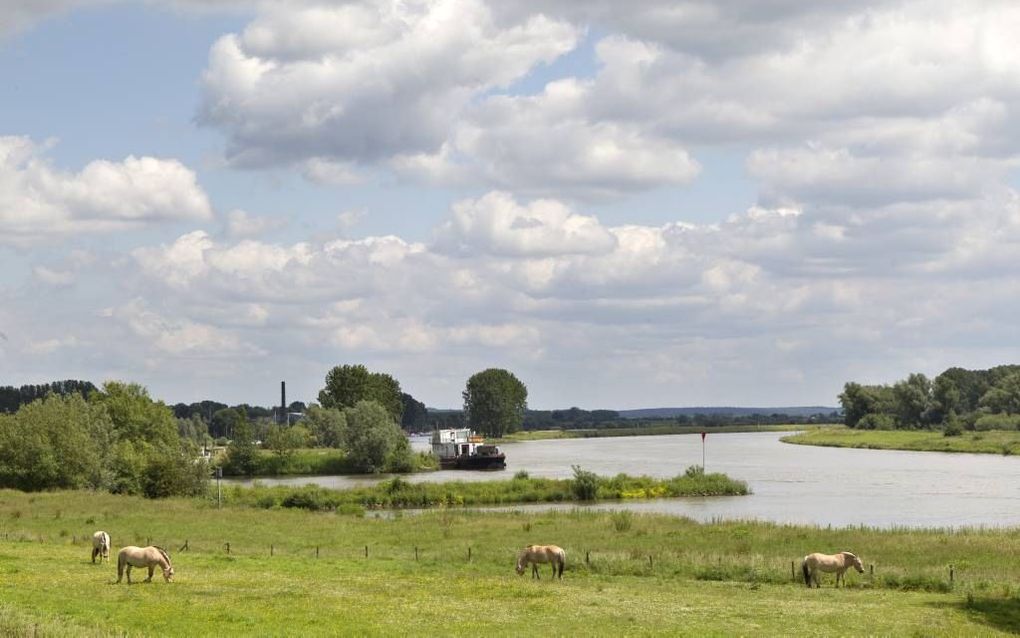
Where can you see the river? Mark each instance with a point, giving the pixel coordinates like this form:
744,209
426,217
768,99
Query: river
790,483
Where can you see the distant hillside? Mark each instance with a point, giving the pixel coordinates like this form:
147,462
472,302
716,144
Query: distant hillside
666,413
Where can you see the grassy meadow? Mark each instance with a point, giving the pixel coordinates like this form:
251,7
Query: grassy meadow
989,442
294,572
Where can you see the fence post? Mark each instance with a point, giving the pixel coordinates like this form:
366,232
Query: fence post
271,549
950,574
227,545
793,572
871,569
469,553
316,551
587,557
366,551
415,552
185,547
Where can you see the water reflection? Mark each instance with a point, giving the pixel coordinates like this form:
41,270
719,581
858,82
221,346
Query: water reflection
791,483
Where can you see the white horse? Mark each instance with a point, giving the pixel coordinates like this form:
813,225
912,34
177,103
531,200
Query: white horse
101,546
150,556
839,563
535,554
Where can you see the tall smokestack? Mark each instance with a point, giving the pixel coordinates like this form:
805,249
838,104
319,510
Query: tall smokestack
283,402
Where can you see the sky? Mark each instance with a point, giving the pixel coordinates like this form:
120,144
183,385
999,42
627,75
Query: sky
626,204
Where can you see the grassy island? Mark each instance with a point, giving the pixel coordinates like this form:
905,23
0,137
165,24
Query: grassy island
293,572
398,492
989,442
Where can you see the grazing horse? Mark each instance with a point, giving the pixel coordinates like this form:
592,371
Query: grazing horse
535,554
101,546
839,563
150,556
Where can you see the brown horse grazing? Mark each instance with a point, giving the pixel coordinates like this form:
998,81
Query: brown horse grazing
101,546
150,556
839,563
535,554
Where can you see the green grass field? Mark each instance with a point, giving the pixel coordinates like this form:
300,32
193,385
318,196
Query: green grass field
990,442
646,575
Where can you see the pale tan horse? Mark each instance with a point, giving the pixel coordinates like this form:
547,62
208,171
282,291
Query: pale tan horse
101,546
535,554
150,556
839,563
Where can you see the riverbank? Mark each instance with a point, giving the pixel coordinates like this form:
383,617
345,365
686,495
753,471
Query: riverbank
319,462
291,572
643,430
399,493
1004,442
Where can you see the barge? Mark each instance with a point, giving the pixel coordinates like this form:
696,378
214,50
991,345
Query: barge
464,450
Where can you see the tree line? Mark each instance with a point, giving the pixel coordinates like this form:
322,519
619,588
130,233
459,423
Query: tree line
11,398
956,400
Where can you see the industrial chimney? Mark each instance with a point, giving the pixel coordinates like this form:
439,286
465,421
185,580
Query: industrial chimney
283,402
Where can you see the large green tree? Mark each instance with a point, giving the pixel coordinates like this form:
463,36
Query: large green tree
495,401
328,426
347,385
374,441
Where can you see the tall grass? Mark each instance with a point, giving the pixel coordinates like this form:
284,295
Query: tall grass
398,492
991,442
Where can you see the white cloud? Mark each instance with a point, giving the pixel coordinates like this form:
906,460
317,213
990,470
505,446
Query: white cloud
365,80
37,200
498,225
242,224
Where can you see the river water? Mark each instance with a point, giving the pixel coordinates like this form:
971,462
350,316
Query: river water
790,483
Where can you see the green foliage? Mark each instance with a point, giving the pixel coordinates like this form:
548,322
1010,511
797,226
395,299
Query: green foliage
585,485
374,442
59,442
970,395
877,422
241,453
415,415
987,422
328,426
398,492
119,440
348,385
284,441
622,520
494,402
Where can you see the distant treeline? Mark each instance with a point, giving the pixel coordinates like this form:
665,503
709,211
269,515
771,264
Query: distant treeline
578,419
956,400
12,398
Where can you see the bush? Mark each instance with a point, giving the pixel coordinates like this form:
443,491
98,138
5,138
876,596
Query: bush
585,486
997,422
876,422
952,429
622,520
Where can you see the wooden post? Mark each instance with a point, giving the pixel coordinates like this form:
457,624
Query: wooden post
316,551
366,551
950,574
871,569
649,561
185,547
793,572
469,553
587,557
415,552
227,545
271,548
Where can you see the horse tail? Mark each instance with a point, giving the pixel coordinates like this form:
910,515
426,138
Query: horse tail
807,573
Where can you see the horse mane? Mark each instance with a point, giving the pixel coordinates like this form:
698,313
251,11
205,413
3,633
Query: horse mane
165,555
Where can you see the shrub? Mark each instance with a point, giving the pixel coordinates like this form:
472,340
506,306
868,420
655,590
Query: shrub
585,485
521,475
876,422
952,429
997,422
